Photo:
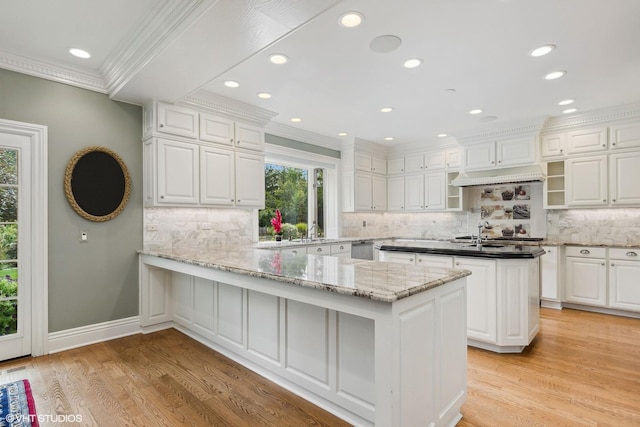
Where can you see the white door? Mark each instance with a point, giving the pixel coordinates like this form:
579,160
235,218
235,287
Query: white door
15,219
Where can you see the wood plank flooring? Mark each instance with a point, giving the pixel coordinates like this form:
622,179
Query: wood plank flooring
582,370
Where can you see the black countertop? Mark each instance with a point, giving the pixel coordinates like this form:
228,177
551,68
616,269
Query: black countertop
488,250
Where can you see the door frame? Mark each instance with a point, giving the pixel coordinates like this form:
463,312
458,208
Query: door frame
39,241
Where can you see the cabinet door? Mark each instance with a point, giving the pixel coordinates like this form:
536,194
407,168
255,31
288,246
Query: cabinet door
414,163
249,180
177,120
454,158
624,286
553,145
177,172
434,261
395,166
217,176
481,298
379,193
624,179
216,129
625,135
363,196
434,160
435,191
549,274
587,181
249,137
378,165
587,140
395,190
362,162
397,257
586,281
414,192
480,156
514,152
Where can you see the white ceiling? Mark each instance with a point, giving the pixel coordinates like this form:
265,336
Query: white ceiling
172,49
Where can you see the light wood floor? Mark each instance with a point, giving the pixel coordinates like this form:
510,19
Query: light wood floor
582,370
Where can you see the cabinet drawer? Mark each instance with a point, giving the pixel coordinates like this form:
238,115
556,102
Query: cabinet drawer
585,252
341,248
621,253
319,250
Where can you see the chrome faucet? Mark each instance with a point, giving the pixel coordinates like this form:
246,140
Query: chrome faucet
479,239
310,232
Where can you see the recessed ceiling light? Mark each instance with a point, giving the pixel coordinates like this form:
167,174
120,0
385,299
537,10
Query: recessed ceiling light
441,135
389,138
343,134
570,110
351,19
555,75
412,63
386,110
296,119
264,95
476,111
79,53
231,83
542,50
278,59
566,102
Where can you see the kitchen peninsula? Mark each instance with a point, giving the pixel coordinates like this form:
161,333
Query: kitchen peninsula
375,343
503,313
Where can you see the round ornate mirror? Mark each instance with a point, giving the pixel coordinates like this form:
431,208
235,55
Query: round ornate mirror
97,184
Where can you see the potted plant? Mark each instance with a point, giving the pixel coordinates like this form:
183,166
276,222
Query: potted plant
277,225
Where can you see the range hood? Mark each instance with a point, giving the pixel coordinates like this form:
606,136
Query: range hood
531,173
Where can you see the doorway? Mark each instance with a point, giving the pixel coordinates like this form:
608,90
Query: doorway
23,239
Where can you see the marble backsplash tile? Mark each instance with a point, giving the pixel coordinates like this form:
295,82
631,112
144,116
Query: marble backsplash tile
594,226
196,227
420,225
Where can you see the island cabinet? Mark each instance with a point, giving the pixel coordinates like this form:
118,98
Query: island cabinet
373,360
503,313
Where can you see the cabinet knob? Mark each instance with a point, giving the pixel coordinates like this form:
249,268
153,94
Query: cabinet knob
401,207
604,200
602,263
239,200
614,200
613,265
238,142
631,253
457,263
294,252
232,200
499,161
162,197
613,143
341,247
492,162
561,150
231,140
604,145
401,170
319,249
419,259
161,125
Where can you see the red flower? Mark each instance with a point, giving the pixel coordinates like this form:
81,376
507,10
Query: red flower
277,222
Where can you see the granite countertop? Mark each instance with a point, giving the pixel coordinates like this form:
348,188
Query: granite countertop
489,249
378,281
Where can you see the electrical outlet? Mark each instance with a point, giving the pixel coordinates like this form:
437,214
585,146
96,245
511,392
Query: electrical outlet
364,223
206,226
151,227
84,237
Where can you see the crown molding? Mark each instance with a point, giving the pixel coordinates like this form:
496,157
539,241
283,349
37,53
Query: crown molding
157,30
278,129
50,71
228,107
594,117
526,128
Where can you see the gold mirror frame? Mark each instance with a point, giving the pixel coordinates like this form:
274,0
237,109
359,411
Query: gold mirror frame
68,185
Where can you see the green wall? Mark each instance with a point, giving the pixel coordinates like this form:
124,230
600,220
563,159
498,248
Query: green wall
96,281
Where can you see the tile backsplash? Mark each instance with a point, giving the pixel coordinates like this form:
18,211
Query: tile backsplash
594,226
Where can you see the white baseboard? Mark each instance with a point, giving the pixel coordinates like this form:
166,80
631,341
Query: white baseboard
91,334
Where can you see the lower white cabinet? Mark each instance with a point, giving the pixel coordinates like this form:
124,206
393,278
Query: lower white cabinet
335,249
624,279
434,260
586,276
549,277
399,257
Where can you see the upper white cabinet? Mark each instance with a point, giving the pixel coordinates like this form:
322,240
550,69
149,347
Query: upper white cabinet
395,166
453,158
217,186
228,132
624,178
370,192
425,192
435,160
587,140
395,193
369,163
553,145
625,135
511,152
176,177
176,120
587,181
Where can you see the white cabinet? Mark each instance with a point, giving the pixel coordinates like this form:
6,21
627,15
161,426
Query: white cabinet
586,276
425,192
549,277
587,181
395,193
554,187
553,145
395,166
370,192
249,137
482,298
624,178
434,160
625,135
624,282
414,163
369,163
177,173
175,120
224,131
587,140
502,153
440,261
453,158
397,257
